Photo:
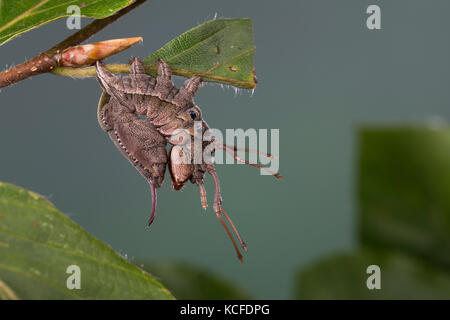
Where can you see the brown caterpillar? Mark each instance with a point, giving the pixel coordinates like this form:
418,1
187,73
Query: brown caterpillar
143,141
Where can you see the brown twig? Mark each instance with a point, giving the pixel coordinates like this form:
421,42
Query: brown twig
48,60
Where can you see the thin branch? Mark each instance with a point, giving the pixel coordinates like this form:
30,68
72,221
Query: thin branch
125,68
48,60
91,29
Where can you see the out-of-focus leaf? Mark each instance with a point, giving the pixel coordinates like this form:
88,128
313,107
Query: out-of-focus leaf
345,277
188,282
38,243
6,292
17,17
404,184
404,188
219,50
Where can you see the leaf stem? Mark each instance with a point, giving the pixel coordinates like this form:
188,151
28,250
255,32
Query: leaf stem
125,68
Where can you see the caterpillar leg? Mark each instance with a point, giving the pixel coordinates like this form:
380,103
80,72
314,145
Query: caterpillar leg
219,210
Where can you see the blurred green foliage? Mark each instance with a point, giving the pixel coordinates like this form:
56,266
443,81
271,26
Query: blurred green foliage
404,189
344,276
189,282
404,225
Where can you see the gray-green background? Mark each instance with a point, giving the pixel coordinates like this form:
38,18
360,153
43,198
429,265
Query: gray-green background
321,73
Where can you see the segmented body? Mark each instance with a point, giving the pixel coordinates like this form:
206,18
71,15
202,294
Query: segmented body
143,141
166,108
136,138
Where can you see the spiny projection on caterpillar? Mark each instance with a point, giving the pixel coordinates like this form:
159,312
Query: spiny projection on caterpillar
143,140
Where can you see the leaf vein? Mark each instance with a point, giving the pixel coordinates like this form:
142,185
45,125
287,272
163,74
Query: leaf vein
195,45
83,255
231,59
40,279
23,15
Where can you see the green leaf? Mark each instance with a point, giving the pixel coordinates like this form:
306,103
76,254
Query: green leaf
17,17
188,282
405,190
345,276
219,51
38,243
